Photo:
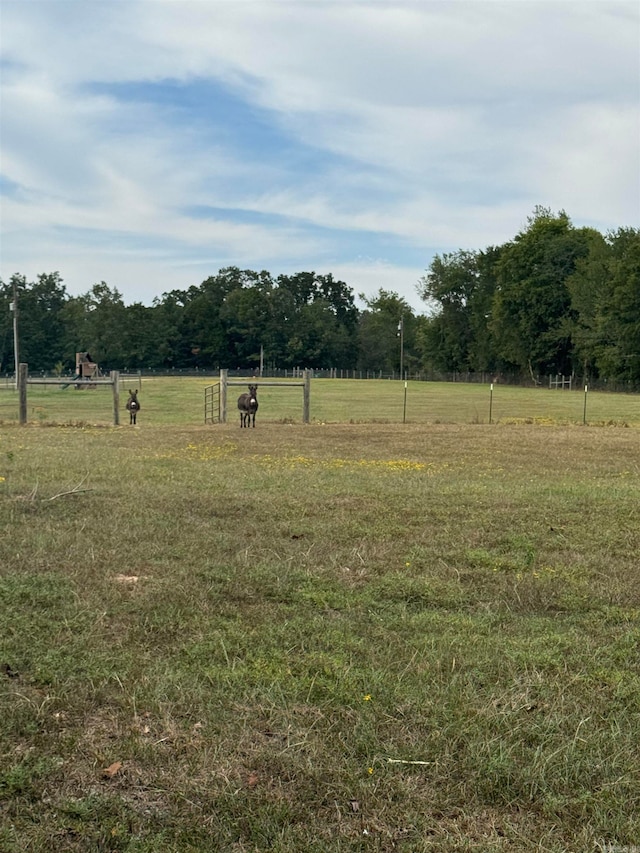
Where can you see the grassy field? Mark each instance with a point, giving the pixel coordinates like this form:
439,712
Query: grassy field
169,401
333,637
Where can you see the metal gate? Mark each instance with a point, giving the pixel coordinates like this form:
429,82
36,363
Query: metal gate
212,404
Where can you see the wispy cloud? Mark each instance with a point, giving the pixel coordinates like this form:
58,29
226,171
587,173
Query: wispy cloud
150,143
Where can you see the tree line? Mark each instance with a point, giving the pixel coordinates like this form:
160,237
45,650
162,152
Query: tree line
554,299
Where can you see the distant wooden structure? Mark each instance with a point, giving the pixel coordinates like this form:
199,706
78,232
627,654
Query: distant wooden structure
560,381
86,370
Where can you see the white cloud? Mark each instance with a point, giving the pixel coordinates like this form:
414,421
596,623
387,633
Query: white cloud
594,165
431,126
369,276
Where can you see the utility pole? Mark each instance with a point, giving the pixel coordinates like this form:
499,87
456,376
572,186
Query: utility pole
14,307
401,333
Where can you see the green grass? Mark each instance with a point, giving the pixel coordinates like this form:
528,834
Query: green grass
175,401
267,627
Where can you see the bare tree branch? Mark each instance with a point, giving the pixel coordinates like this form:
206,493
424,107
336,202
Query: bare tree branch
75,491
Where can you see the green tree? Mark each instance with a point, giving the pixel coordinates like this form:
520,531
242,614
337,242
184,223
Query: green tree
314,321
246,315
618,350
77,334
204,327
589,288
103,326
317,338
459,288
172,338
7,358
532,317
339,299
482,350
379,339
140,337
448,288
41,340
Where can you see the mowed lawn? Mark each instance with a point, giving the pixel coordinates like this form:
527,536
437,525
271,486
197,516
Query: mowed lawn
367,636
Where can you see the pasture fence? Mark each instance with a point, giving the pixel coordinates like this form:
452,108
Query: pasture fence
24,381
129,380
573,382
560,381
225,383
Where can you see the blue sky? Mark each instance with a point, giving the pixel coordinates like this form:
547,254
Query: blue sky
149,143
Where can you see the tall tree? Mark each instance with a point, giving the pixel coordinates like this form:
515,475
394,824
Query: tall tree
208,345
140,337
382,344
532,314
246,316
40,327
482,346
459,288
448,288
589,289
7,357
619,316
318,318
105,320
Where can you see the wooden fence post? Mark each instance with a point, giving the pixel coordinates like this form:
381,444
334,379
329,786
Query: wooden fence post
223,395
306,396
305,385
115,378
23,372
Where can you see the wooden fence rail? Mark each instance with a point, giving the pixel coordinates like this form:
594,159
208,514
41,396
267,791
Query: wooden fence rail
24,381
305,385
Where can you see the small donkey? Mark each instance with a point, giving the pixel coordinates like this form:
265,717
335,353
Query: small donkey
248,406
133,406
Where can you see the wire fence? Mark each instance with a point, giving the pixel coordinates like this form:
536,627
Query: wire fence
178,397
561,382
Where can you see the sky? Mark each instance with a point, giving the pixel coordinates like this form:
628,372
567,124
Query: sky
151,143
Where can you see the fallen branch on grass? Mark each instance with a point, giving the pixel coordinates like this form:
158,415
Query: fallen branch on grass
31,496
75,491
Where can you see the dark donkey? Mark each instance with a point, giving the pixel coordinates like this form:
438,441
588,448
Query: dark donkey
248,405
133,406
